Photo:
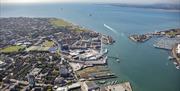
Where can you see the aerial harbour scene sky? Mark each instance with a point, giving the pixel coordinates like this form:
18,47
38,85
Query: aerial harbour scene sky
89,45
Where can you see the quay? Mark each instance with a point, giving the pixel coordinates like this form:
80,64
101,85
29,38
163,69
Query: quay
119,87
175,55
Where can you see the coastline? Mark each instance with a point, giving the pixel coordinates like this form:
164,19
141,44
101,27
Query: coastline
151,8
122,44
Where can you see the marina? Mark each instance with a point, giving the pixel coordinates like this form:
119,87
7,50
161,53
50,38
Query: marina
166,43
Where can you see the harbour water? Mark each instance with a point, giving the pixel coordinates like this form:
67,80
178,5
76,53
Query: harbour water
147,68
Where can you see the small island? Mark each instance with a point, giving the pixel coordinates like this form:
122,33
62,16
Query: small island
140,38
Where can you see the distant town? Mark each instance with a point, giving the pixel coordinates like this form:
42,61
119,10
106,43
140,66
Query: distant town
168,40
50,54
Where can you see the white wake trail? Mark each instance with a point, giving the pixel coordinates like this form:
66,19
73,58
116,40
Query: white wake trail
110,28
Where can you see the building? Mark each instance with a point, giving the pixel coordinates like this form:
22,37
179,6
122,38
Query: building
74,86
63,71
90,86
35,71
52,49
31,80
62,89
59,81
2,64
178,50
64,47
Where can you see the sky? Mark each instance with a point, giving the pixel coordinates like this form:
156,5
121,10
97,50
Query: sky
94,1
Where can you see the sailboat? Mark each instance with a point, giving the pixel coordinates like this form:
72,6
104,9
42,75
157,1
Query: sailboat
118,60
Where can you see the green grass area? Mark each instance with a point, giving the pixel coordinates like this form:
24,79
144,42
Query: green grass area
79,30
62,23
48,43
11,49
37,48
172,33
59,23
92,70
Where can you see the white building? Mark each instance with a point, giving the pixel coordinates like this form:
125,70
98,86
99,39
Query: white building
62,89
178,49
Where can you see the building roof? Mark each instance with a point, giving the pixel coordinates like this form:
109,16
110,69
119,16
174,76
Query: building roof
1,62
63,70
74,85
35,71
91,84
62,89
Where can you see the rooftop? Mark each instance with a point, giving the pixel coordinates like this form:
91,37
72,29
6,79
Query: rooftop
91,84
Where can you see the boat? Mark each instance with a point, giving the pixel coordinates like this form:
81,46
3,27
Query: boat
115,82
175,63
61,9
177,67
170,58
118,60
105,51
112,82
